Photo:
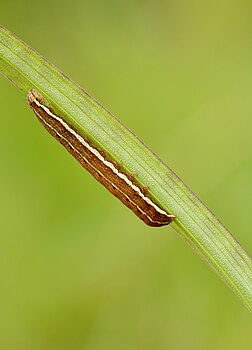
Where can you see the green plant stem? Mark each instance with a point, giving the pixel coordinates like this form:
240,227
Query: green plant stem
194,222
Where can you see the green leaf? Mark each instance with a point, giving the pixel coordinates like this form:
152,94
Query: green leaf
194,222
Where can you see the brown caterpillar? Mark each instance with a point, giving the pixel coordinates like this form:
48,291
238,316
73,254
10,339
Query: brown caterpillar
104,170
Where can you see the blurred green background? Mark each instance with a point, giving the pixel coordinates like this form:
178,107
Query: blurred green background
80,271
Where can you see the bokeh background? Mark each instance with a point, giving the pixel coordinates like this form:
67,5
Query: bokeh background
77,269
